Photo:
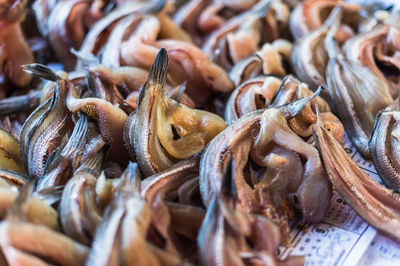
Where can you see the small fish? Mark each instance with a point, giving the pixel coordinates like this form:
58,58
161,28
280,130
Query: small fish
164,130
59,167
229,237
111,121
357,93
373,202
16,104
124,227
384,143
47,125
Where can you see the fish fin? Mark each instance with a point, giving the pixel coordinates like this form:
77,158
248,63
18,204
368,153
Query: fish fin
50,195
292,109
41,71
93,163
157,74
78,136
130,180
177,92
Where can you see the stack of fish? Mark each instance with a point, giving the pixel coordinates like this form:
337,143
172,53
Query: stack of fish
191,132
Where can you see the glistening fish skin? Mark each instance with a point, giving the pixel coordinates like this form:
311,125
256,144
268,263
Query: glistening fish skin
227,233
144,129
44,129
177,174
165,131
121,237
110,119
309,57
16,104
255,134
116,165
378,205
60,165
356,91
384,145
14,48
361,48
13,177
79,206
253,94
9,152
24,240
99,33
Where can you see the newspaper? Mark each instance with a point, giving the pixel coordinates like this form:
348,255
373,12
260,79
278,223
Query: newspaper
343,237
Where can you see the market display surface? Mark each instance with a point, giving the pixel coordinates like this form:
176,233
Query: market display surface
248,132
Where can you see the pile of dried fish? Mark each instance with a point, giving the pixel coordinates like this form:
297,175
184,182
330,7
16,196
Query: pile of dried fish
191,132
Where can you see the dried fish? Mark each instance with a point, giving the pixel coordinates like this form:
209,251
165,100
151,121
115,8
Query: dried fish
79,208
376,204
36,211
14,178
67,29
214,157
310,14
130,77
264,92
358,94
188,63
118,83
309,57
189,192
45,128
9,153
170,30
240,37
301,190
129,136
292,89
111,120
188,16
160,192
360,48
253,94
165,131
268,61
387,54
16,104
383,145
111,56
94,142
14,49
110,164
26,242
124,226
98,35
256,134
230,237
185,220
175,176
51,196
60,165
13,124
